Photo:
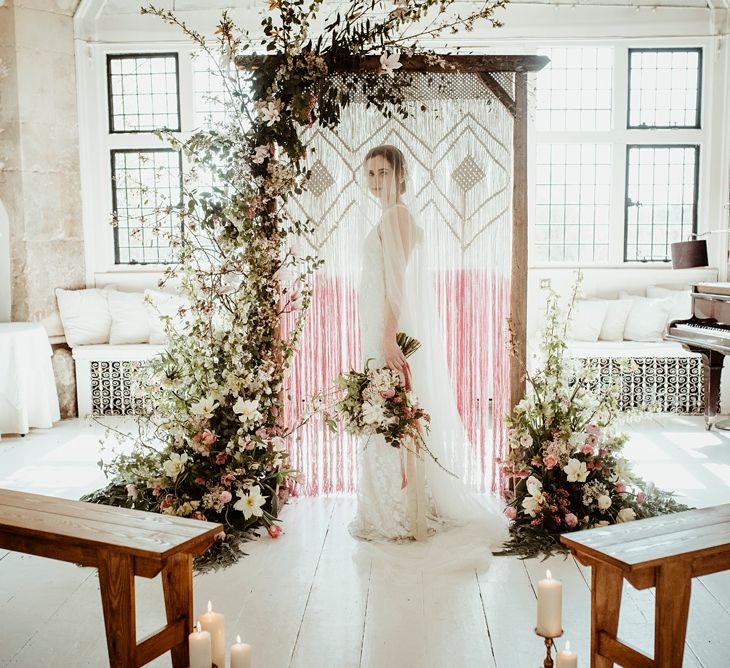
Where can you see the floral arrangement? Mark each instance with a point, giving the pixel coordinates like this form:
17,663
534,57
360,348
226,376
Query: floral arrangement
212,443
564,470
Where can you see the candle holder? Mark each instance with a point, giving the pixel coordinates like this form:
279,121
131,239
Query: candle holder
548,663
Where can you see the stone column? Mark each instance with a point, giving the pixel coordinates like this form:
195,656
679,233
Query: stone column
40,178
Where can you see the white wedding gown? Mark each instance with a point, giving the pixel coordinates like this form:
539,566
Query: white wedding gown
465,526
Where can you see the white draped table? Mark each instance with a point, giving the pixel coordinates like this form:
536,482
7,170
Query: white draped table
28,396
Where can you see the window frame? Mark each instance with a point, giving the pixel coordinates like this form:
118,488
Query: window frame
112,153
699,105
695,194
131,56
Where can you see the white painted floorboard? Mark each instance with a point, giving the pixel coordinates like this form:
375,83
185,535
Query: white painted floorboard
302,601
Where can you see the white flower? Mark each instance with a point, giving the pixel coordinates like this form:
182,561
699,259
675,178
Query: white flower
278,444
604,502
532,504
534,486
269,113
175,465
626,515
602,523
622,469
247,410
576,470
389,63
250,504
526,440
373,413
204,407
260,154
577,438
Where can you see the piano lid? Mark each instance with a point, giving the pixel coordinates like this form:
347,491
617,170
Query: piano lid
713,288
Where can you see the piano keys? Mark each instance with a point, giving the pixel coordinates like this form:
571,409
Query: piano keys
707,332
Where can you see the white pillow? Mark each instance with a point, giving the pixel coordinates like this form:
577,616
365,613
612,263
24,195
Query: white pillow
588,316
85,316
647,318
681,301
129,317
161,304
615,320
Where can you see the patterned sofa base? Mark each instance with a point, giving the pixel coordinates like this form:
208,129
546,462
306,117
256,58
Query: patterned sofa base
103,380
660,377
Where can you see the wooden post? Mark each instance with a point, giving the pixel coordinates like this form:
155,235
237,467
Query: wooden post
518,287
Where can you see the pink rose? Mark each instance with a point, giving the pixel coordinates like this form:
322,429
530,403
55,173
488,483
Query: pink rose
166,503
620,487
197,515
156,489
274,531
591,440
228,479
510,512
587,449
208,438
199,480
225,496
132,491
641,498
536,522
221,458
387,394
593,429
571,521
550,461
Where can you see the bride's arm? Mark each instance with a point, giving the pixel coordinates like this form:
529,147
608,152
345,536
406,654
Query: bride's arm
396,237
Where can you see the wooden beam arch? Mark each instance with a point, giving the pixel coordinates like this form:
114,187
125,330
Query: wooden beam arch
516,103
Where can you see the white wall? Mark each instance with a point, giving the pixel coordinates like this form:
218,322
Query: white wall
4,265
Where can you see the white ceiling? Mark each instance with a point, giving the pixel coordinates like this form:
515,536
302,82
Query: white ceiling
114,7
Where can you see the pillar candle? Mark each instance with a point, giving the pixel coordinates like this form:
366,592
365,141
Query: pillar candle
566,658
240,654
213,622
199,645
549,607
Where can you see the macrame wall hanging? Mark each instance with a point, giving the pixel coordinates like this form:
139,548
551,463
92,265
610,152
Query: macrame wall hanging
457,141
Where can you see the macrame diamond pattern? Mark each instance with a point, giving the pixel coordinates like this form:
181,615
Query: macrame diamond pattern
468,174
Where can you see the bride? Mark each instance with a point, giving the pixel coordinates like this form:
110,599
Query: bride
399,499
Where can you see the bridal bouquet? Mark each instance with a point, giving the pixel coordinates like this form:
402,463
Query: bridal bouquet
379,401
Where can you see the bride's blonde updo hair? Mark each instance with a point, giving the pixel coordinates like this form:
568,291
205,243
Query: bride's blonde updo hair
395,158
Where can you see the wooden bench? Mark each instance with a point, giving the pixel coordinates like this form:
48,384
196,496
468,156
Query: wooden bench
664,552
120,543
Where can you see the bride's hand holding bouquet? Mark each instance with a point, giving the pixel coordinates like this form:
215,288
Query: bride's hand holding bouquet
380,401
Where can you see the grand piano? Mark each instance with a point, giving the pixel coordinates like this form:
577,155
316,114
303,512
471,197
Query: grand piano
707,332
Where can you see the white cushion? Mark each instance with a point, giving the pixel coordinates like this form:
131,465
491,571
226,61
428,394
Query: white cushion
681,301
129,317
161,304
647,318
85,316
588,316
615,321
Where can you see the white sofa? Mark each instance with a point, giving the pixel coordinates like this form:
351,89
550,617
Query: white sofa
109,332
622,316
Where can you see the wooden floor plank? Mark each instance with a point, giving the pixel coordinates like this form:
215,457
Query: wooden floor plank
332,624
510,609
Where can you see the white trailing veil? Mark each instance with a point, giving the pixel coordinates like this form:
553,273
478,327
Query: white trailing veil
436,483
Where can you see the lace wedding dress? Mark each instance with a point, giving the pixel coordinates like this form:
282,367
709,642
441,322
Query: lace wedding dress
464,526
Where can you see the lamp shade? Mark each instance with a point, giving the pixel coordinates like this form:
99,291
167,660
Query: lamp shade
689,254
